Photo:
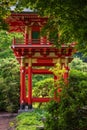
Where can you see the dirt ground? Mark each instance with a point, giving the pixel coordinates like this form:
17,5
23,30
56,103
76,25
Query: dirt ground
7,121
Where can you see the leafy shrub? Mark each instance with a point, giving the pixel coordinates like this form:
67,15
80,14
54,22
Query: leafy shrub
78,64
43,88
71,112
9,85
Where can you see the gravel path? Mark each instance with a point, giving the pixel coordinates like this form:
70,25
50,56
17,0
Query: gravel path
6,121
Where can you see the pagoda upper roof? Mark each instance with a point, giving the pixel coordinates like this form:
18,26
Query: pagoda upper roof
25,10
19,19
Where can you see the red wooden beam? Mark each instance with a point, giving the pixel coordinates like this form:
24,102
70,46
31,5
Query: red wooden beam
45,60
36,99
31,46
41,99
43,64
41,71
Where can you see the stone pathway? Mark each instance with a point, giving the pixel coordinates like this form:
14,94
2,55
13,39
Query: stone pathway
6,121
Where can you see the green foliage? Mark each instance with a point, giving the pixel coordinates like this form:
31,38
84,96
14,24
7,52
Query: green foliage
30,120
9,74
78,80
70,113
67,19
5,11
78,64
57,70
39,77
43,88
9,85
5,43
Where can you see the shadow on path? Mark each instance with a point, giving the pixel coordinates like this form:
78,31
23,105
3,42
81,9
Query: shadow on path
6,121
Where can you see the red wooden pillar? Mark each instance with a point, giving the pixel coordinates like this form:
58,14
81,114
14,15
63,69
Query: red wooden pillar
42,40
57,90
26,35
48,42
66,74
29,35
30,83
22,82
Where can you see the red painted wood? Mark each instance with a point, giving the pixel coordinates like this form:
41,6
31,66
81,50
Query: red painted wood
17,21
27,47
36,28
26,40
41,71
29,85
45,60
43,64
40,99
31,46
66,74
22,85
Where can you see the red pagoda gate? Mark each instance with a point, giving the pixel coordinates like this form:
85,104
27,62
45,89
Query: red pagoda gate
33,51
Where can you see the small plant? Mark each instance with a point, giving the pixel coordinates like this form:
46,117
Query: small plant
30,120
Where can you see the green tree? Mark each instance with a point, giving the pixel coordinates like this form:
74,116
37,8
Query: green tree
70,113
9,84
9,74
66,18
5,43
78,64
5,11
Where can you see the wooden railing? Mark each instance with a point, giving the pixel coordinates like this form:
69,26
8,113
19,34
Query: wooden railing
32,41
18,41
